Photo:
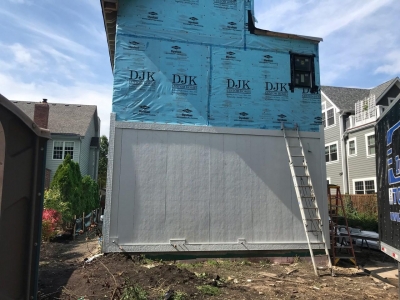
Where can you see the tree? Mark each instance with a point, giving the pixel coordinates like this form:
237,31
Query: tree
103,161
68,180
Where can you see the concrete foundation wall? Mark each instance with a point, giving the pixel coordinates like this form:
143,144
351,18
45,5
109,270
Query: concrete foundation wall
191,188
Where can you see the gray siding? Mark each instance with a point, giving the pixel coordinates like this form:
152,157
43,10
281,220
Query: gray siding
360,166
84,160
332,134
52,164
204,189
392,93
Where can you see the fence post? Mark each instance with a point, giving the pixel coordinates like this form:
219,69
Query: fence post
74,229
83,221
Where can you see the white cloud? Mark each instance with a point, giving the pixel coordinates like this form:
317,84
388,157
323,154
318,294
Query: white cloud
392,64
79,93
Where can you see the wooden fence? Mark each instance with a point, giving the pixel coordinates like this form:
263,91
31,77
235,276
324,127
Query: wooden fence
363,203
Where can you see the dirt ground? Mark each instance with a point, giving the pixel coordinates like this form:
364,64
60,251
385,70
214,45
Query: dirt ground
64,274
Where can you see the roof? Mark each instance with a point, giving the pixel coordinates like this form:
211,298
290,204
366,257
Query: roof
67,119
23,117
110,9
345,98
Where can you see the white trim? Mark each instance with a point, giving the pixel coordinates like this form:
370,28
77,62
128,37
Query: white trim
323,106
325,112
327,98
390,100
63,150
355,146
363,179
328,179
366,144
337,149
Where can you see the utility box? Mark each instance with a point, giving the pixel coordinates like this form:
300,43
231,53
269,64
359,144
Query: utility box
197,158
387,145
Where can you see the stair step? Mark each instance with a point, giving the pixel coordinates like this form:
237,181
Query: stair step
345,257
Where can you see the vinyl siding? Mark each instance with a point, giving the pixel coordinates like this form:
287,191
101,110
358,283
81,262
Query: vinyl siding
360,166
392,93
52,164
85,150
332,134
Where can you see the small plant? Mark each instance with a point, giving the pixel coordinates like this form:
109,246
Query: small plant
265,263
51,219
133,292
245,263
180,295
297,259
208,290
201,275
212,263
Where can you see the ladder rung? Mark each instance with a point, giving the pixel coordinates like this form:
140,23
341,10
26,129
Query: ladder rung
310,207
319,230
297,155
300,166
341,256
302,176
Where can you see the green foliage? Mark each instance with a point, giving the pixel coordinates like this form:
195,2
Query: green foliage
71,192
90,194
53,200
180,295
103,160
208,290
68,180
365,218
133,292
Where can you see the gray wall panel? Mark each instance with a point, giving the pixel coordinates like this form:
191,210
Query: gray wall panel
207,188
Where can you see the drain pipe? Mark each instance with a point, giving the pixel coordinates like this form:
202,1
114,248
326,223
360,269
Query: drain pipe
344,153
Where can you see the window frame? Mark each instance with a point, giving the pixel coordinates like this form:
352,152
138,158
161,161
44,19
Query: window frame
364,180
325,119
355,147
63,150
293,71
337,152
367,146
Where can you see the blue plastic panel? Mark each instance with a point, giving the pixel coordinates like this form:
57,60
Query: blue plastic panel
206,21
160,81
250,88
171,70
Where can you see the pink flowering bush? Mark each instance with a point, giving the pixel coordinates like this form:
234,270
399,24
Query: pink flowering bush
51,219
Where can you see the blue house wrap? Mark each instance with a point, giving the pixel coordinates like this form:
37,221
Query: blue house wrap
197,62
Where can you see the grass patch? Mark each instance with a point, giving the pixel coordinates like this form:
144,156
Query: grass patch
180,295
189,266
209,290
212,263
133,292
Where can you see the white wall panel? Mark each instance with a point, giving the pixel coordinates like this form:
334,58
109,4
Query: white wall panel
203,189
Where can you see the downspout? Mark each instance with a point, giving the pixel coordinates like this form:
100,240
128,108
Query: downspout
344,154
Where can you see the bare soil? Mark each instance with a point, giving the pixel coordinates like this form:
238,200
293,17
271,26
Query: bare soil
64,274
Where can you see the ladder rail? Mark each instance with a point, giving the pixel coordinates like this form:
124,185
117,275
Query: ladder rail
300,199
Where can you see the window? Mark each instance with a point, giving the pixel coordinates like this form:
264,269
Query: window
352,148
331,152
302,72
391,100
364,186
328,117
62,149
370,143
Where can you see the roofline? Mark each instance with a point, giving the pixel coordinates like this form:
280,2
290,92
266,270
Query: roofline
7,104
109,10
387,89
338,109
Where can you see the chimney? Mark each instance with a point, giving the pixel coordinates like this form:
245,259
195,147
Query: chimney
41,114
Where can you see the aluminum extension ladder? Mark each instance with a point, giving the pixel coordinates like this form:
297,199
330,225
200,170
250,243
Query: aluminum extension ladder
306,199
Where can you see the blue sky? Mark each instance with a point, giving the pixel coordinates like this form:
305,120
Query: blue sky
57,49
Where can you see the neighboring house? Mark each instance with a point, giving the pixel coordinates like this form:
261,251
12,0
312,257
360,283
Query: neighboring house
349,116
75,130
